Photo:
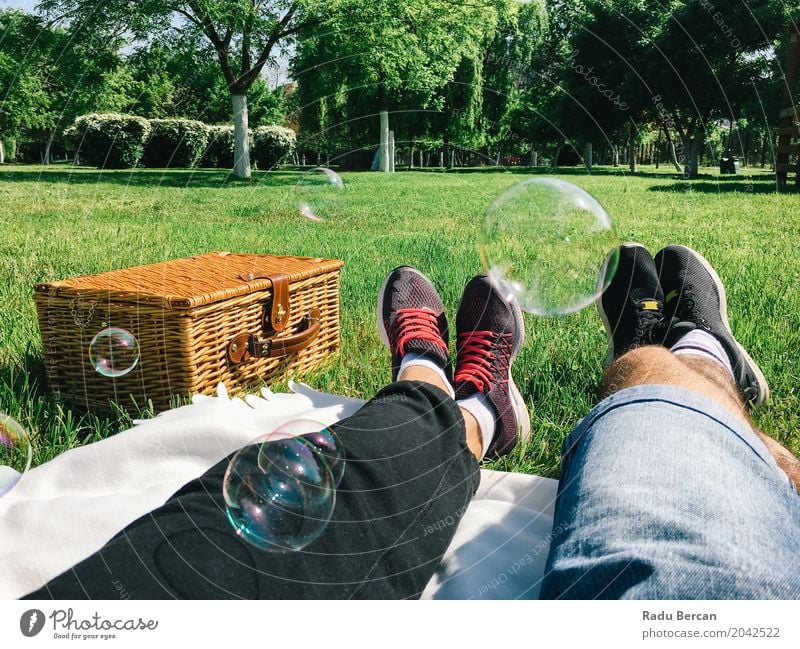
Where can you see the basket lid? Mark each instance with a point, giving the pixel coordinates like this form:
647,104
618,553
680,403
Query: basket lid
190,282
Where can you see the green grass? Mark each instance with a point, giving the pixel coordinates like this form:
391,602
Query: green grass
61,221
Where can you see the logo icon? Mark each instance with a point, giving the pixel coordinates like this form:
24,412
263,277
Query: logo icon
31,622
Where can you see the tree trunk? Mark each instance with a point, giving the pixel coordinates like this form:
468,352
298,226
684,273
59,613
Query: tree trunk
693,147
632,150
587,156
673,154
47,147
241,144
2,152
614,156
383,162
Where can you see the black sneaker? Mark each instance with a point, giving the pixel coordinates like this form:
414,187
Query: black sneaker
411,318
490,334
632,304
695,298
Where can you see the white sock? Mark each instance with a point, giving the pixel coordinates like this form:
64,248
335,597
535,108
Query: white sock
480,408
413,358
702,343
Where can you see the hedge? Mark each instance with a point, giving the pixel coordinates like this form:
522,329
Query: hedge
110,141
273,145
175,143
219,148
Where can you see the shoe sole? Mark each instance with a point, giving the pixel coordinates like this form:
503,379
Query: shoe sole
604,317
763,392
521,412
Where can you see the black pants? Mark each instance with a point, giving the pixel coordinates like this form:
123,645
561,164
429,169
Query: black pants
408,469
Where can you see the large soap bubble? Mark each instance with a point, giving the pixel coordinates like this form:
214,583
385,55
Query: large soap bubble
550,244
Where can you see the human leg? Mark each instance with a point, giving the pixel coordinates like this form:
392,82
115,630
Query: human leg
409,477
666,489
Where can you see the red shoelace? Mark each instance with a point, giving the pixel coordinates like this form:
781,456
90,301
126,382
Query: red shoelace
477,360
416,324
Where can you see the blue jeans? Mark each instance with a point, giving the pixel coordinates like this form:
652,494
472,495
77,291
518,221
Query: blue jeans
665,494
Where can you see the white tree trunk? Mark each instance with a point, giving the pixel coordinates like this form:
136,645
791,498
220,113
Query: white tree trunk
383,163
674,155
391,152
614,156
241,146
2,152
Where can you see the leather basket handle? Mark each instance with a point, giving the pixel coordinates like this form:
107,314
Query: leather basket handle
245,346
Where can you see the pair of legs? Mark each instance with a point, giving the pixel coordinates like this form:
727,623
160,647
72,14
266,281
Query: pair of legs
666,489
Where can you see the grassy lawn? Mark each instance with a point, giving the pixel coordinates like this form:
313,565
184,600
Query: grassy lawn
59,222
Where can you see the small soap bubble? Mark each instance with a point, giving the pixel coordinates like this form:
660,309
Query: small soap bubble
549,244
16,452
319,194
114,352
280,489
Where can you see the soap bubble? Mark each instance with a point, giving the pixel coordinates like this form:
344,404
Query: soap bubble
550,244
319,194
15,452
114,352
323,441
280,490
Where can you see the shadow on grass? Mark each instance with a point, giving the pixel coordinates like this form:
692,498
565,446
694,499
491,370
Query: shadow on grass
180,178
723,185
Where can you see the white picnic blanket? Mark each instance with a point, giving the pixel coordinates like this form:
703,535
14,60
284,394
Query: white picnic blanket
68,508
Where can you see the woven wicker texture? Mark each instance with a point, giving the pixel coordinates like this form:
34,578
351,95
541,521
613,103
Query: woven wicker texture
183,313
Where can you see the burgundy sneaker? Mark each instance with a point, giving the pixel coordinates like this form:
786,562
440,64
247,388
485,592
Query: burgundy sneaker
490,334
411,318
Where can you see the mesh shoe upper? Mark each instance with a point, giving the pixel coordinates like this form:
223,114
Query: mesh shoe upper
490,334
632,305
411,318
695,298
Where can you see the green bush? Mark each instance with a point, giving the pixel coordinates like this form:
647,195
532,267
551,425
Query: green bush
175,143
273,145
219,148
110,141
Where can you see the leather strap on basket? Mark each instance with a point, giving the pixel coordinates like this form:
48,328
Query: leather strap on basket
281,309
246,346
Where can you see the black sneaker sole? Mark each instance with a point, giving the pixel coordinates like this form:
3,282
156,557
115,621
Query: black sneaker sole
763,386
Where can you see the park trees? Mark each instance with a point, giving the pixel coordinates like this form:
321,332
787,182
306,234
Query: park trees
25,102
422,60
244,34
677,64
50,75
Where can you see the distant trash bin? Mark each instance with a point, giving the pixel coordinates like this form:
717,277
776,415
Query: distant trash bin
729,165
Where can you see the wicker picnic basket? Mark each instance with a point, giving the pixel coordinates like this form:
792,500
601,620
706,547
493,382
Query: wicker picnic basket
239,319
